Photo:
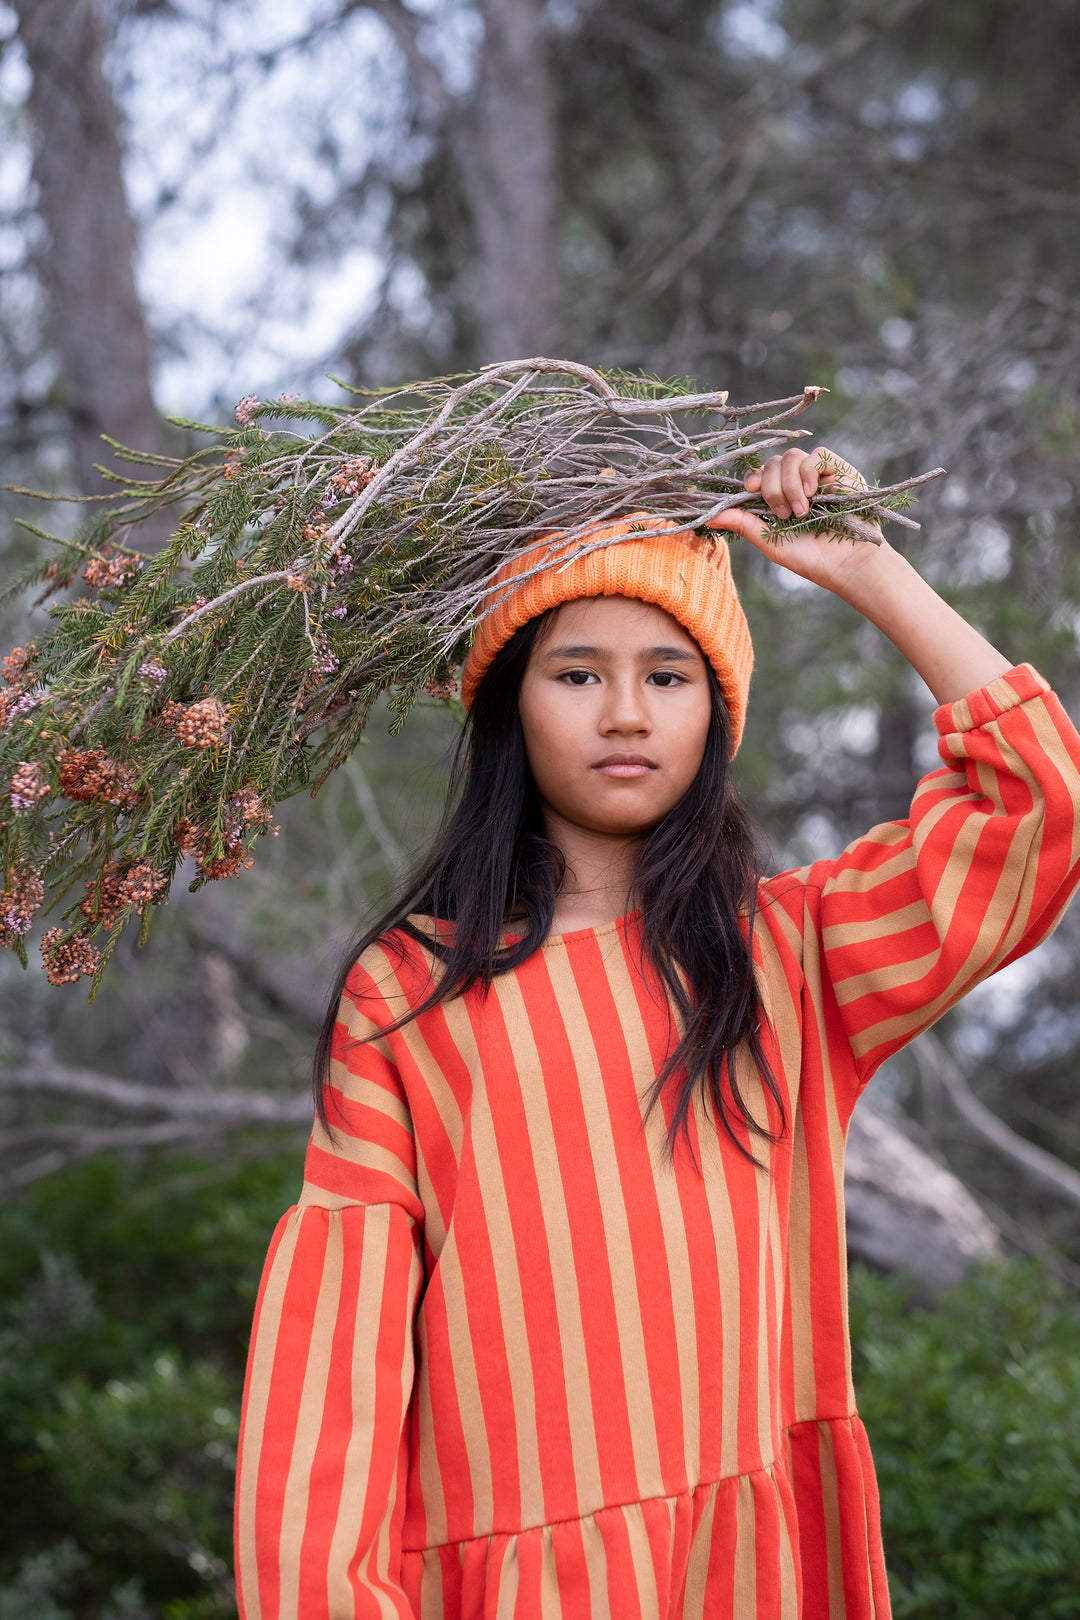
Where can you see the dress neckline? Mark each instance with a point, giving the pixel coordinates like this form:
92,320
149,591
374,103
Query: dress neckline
617,925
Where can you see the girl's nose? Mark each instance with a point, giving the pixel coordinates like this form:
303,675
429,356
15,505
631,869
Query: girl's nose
625,709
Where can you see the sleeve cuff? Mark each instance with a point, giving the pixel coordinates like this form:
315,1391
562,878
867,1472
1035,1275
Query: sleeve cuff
1017,685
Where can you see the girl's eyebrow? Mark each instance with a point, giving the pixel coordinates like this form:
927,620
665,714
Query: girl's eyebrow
667,653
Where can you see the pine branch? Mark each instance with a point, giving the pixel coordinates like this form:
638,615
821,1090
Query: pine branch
183,695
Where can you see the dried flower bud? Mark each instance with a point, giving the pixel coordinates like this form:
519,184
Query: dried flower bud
18,903
152,671
288,399
142,885
247,409
312,532
202,724
231,864
66,960
28,785
354,476
14,664
443,690
242,810
171,713
90,775
108,574
103,901
186,836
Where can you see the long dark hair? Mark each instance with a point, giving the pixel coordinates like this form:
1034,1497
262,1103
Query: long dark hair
696,876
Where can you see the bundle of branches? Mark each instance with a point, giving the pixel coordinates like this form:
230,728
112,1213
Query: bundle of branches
184,693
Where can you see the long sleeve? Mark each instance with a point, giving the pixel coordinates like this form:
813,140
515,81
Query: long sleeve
913,915
324,1432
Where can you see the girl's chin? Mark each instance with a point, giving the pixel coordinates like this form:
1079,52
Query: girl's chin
615,822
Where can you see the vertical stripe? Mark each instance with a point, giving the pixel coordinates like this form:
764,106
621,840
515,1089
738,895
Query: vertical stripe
830,1505
254,1415
554,1176
309,1419
695,1586
745,1560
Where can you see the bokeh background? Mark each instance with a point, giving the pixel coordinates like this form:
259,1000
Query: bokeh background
202,199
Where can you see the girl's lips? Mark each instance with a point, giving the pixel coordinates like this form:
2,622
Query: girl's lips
625,766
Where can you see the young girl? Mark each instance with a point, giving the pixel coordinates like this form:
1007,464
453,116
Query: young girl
558,1327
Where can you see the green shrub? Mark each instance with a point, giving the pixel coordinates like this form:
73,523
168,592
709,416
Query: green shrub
129,1299
973,1410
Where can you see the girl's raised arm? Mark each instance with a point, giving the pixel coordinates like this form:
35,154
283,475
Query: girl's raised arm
908,918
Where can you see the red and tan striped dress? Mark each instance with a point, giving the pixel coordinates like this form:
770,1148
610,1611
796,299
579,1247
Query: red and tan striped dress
510,1360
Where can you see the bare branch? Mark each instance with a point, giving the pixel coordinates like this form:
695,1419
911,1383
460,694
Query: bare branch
435,100
938,1066
279,576
213,1110
1037,199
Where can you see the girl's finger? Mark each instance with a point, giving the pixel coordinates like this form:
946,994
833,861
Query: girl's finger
738,522
793,463
752,481
772,487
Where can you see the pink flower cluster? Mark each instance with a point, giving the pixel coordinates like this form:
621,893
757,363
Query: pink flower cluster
28,786
354,476
324,662
19,901
109,573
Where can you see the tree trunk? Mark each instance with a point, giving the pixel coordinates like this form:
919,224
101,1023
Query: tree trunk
99,326
506,147
895,773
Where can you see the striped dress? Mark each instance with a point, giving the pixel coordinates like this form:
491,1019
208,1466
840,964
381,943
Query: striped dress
510,1359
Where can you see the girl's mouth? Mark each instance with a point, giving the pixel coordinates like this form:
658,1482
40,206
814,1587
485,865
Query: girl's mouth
625,766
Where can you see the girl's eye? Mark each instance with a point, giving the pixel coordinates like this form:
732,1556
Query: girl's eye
665,678
577,677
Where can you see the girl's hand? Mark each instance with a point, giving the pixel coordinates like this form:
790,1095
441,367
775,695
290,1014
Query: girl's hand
786,484
950,655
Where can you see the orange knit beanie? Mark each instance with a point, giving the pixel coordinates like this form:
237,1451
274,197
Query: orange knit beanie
687,576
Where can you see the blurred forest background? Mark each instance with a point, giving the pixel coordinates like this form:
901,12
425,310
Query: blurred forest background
201,199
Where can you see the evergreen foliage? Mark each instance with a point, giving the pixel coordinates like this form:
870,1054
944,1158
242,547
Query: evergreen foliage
971,1410
190,690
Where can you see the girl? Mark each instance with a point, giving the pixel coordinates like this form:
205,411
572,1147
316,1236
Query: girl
558,1327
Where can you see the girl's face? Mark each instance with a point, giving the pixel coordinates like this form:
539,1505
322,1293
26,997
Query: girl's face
615,708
